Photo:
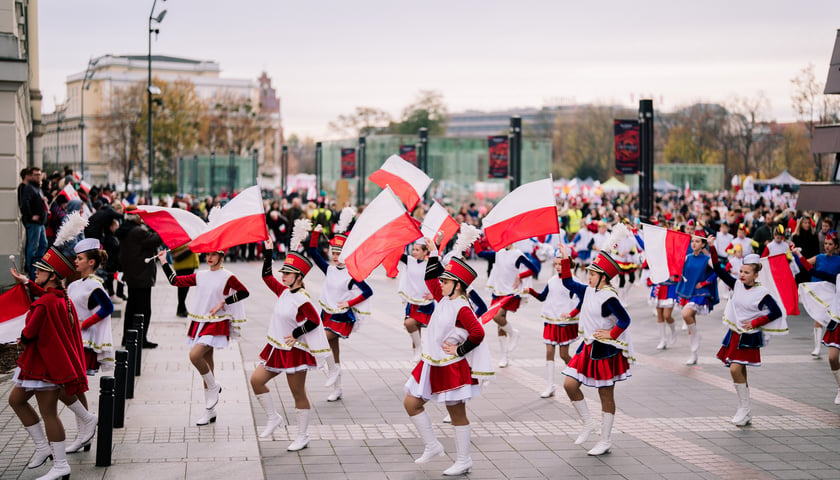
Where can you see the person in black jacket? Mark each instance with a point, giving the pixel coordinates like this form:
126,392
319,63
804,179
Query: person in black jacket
33,211
137,243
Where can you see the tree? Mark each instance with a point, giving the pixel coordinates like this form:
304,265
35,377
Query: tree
428,110
694,134
364,121
586,146
301,154
119,134
813,108
749,129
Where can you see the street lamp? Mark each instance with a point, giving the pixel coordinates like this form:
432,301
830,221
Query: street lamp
157,20
59,116
85,86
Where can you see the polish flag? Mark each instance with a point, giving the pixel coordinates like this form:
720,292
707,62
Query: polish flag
240,221
391,263
775,275
175,226
665,251
14,305
529,211
69,192
383,227
85,186
408,182
495,307
438,220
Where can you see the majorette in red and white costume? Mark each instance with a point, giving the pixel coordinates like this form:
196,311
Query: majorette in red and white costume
295,343
344,304
216,315
504,281
750,313
419,303
560,323
606,352
93,308
52,359
454,376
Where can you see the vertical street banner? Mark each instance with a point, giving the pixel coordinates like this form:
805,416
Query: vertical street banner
498,156
409,154
627,152
348,163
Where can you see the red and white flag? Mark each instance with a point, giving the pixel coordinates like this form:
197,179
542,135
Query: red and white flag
438,220
14,305
240,221
408,182
665,252
495,307
775,275
175,226
383,227
69,192
85,186
529,211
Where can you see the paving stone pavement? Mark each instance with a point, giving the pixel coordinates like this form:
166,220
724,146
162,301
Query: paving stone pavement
672,419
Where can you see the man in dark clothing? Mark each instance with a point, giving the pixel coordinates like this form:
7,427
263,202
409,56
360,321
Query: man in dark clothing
33,211
101,226
137,243
764,233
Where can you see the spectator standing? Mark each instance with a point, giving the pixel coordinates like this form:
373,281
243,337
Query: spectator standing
33,209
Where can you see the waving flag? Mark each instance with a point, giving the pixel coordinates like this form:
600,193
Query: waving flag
665,252
175,226
775,275
69,192
383,227
438,220
240,221
408,182
14,305
528,211
495,307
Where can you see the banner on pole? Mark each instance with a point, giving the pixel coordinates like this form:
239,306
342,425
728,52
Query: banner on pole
627,151
409,154
498,156
348,163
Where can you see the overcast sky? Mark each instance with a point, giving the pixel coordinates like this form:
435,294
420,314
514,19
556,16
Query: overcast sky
327,57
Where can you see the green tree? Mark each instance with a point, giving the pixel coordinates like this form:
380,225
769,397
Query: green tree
585,146
364,121
428,110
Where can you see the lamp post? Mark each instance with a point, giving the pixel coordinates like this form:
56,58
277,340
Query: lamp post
59,116
85,86
149,92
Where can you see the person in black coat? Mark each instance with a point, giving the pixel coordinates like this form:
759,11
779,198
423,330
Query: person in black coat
137,243
805,238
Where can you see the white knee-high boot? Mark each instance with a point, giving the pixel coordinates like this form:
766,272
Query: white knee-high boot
549,380
274,419
672,340
743,415
836,374
336,385
589,424
433,448
603,446
302,439
513,335
85,427
463,461
818,335
694,339
211,393
60,468
333,371
415,345
663,343
42,447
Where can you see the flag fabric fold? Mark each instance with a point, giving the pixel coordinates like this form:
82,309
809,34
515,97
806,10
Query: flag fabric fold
665,252
438,220
69,192
14,305
775,275
240,221
408,182
528,211
175,226
382,228
495,307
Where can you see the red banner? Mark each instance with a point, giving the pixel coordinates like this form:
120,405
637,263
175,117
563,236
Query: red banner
348,163
409,154
498,156
627,154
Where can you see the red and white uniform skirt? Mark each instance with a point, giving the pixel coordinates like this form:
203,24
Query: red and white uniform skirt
560,333
741,349
286,361
413,311
512,305
832,335
341,328
212,334
599,372
451,383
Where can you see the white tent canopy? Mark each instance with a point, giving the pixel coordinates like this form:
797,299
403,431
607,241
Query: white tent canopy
614,185
784,178
663,185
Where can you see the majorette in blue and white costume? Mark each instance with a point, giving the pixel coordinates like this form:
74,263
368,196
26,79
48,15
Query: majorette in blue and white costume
696,290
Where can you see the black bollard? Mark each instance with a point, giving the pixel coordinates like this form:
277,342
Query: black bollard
104,441
138,325
131,345
121,377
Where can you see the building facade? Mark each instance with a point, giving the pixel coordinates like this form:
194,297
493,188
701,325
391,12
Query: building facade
70,131
20,119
